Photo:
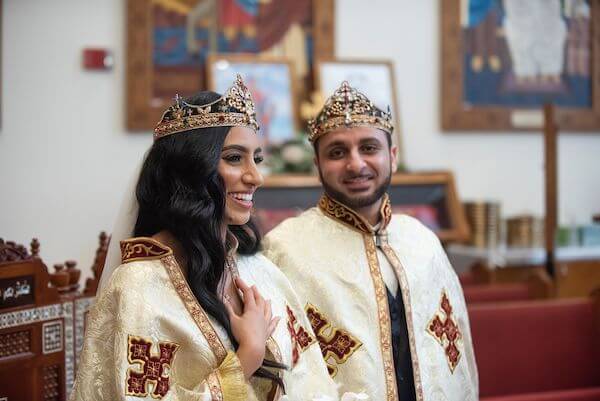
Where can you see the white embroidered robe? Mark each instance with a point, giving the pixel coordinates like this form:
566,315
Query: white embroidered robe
329,253
148,338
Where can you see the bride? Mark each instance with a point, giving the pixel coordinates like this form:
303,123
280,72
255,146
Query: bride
190,310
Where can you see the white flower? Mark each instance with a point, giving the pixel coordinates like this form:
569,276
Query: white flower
292,154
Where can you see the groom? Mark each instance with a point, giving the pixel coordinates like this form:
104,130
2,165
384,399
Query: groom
383,300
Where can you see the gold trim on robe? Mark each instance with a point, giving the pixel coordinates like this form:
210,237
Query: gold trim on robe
372,239
383,311
142,248
194,308
343,214
405,290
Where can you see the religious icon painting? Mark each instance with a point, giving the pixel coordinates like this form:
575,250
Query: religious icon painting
169,41
499,68
271,84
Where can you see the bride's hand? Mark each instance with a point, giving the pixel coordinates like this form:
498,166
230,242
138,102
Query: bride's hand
252,328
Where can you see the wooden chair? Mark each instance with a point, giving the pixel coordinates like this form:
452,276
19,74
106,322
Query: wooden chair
35,329
42,329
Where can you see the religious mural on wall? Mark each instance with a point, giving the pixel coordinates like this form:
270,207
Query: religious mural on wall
524,53
185,32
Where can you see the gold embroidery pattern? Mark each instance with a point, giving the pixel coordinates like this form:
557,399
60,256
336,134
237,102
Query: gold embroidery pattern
405,290
214,386
386,212
190,302
336,346
446,332
154,369
350,218
383,312
142,248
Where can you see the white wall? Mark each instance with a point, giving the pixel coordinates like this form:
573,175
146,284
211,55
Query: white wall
65,155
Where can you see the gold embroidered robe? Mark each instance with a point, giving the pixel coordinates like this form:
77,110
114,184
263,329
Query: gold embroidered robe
147,337
329,253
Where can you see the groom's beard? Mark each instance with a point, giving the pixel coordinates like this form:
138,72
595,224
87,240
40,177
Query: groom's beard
357,202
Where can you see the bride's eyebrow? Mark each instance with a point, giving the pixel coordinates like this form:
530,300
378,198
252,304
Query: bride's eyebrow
236,147
241,148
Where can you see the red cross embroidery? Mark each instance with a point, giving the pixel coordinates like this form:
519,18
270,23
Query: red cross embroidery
446,332
337,346
153,368
301,339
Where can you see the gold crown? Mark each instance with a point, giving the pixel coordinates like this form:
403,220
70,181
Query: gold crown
235,108
347,108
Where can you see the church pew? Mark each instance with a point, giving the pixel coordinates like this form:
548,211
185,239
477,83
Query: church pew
536,285
537,350
483,293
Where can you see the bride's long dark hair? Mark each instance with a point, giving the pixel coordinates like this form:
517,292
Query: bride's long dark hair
180,191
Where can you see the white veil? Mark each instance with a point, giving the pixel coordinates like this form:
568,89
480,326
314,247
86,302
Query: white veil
123,227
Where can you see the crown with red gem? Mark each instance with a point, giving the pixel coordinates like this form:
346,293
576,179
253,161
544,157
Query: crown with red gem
348,108
235,108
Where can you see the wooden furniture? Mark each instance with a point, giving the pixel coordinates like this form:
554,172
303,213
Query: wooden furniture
551,187
36,332
42,322
577,278
91,284
536,286
577,268
537,350
428,196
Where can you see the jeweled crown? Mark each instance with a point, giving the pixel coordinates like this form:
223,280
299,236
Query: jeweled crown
235,108
348,108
